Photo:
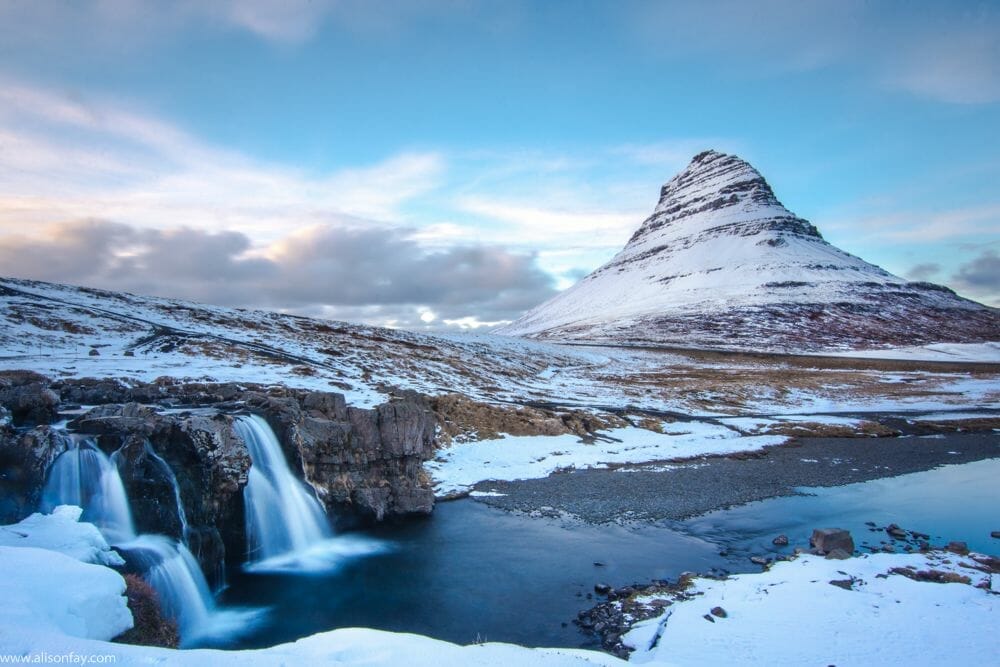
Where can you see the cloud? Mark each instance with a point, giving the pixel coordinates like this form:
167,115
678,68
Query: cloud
961,65
933,51
922,227
274,20
382,274
62,157
924,272
980,277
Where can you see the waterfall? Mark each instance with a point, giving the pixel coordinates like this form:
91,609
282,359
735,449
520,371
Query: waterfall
282,515
84,476
173,571
286,527
168,471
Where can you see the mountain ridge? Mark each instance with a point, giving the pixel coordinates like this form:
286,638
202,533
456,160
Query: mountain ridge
722,264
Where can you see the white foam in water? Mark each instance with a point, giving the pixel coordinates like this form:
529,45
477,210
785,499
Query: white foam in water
287,529
321,557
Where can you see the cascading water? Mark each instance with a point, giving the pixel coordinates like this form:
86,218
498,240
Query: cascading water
84,476
282,516
286,527
169,472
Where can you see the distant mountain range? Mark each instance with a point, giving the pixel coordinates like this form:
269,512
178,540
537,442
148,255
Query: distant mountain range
722,264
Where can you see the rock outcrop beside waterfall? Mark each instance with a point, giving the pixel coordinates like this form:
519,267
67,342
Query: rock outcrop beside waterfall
362,463
367,460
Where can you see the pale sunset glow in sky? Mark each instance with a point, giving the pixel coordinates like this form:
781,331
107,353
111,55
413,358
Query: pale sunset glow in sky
452,163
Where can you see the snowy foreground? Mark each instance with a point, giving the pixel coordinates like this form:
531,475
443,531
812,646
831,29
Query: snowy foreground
58,609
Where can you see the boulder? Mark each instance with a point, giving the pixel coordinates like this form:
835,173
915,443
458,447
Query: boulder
28,398
827,540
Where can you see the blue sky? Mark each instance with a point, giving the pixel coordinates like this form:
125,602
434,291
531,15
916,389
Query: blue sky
452,163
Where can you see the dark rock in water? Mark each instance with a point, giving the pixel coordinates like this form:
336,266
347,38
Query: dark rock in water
780,541
960,548
827,539
758,560
602,589
995,534
895,532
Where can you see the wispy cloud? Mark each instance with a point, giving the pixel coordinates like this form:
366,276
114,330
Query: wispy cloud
65,158
930,51
922,227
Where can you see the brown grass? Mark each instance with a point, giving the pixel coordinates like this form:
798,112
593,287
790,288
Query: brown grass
150,627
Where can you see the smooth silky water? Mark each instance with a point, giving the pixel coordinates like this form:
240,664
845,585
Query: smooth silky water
473,573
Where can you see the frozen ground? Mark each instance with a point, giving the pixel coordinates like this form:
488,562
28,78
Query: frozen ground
67,331
794,615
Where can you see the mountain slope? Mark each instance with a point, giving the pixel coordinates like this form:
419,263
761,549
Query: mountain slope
722,264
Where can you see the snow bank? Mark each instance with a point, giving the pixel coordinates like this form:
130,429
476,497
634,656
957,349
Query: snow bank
61,531
47,591
528,457
792,615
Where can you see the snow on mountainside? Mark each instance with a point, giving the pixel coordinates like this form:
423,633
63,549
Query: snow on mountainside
722,264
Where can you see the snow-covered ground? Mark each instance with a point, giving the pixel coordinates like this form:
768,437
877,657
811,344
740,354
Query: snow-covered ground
462,465
792,615
960,352
58,609
64,332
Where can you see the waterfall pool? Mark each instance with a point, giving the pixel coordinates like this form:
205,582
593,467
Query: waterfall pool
473,573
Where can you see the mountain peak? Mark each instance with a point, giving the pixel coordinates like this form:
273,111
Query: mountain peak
722,263
727,188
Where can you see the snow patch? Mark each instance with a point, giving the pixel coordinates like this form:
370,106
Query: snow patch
462,465
61,531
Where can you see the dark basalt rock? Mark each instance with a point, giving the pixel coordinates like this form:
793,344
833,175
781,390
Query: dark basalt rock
25,458
28,398
365,464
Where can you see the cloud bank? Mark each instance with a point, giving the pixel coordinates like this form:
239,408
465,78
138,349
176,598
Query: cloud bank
323,270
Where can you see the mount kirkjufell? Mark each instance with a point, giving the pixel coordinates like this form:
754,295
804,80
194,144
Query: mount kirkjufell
722,264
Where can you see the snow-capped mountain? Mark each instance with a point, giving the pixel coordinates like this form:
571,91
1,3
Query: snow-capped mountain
722,264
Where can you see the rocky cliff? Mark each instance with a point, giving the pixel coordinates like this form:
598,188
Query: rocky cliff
363,464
